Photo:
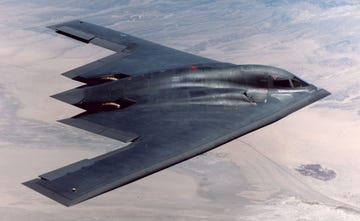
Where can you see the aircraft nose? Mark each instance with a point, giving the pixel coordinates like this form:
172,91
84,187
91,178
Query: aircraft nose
322,92
73,96
314,88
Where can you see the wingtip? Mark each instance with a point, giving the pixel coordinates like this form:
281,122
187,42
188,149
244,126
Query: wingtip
34,185
56,26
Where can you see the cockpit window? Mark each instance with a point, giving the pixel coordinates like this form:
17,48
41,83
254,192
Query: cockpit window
282,83
263,82
287,83
298,83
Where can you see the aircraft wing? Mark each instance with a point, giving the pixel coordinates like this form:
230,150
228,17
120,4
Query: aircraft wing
133,55
165,135
175,115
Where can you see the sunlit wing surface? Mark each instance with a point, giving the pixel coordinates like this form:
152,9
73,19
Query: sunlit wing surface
167,104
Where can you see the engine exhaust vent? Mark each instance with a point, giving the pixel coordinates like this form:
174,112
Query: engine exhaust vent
106,106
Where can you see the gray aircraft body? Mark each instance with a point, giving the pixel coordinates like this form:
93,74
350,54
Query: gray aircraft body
167,104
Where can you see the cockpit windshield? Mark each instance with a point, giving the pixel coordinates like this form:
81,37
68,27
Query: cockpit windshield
287,83
282,83
298,83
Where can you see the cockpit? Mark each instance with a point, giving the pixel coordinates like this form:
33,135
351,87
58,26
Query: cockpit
268,77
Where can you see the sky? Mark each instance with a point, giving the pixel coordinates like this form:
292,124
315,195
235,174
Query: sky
251,178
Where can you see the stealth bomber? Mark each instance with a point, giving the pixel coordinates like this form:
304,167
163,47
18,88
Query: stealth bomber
168,105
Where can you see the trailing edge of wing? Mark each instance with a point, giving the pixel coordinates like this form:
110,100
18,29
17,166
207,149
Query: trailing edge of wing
90,33
100,68
101,130
76,34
